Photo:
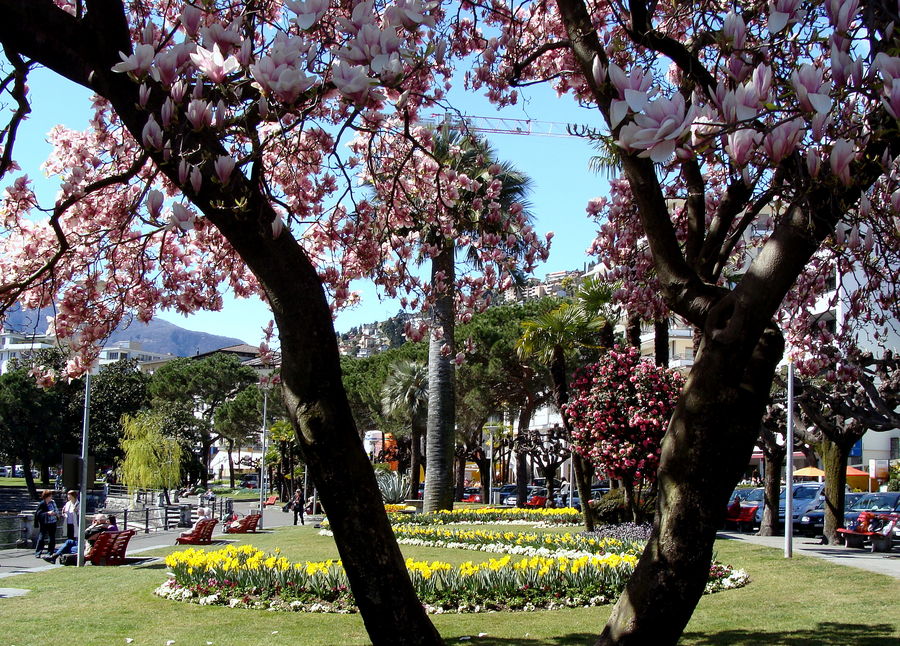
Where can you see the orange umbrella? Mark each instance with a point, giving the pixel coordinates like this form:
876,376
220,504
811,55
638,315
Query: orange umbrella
853,471
809,471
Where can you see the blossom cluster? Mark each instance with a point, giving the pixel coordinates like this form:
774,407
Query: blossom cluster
619,411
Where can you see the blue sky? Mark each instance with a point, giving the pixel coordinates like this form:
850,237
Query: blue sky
558,166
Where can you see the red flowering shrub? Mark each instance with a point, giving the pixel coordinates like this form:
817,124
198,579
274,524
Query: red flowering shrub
619,411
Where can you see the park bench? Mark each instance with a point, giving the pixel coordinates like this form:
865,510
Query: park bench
109,548
271,500
880,540
201,535
245,525
741,516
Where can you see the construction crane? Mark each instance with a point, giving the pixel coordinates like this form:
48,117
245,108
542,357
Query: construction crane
505,126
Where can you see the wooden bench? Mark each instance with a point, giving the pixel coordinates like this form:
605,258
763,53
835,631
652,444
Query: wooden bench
741,516
245,525
109,548
201,535
271,500
880,541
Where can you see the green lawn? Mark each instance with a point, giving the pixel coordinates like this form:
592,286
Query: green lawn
800,601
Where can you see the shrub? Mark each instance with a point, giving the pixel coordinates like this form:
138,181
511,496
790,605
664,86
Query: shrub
612,508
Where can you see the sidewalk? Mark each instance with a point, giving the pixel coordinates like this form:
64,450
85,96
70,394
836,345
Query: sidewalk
881,562
20,561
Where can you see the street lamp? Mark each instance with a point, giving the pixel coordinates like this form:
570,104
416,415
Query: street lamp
265,384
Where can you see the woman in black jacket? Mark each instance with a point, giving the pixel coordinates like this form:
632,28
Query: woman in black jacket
46,518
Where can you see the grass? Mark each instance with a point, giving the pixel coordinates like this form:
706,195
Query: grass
803,601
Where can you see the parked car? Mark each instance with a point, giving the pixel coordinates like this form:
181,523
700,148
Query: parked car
471,494
884,502
533,491
575,500
250,481
4,472
504,492
805,496
812,523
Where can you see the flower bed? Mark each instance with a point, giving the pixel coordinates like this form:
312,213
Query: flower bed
527,543
488,515
249,578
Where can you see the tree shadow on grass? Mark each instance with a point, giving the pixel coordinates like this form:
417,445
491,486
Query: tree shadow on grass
572,639
833,634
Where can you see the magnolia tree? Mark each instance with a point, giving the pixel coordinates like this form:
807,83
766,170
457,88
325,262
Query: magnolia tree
758,152
214,159
619,411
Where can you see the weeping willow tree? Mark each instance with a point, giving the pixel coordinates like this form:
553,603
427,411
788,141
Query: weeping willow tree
151,460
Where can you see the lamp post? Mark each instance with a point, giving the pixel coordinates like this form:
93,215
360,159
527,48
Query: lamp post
789,476
264,384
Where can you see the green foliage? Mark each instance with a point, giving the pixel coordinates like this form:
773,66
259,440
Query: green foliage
612,508
151,460
38,424
119,389
364,378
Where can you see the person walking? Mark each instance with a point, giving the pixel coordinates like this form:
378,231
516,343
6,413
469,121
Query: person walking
45,519
297,506
71,511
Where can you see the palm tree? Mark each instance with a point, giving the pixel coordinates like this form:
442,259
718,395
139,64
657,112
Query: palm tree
472,156
587,324
405,392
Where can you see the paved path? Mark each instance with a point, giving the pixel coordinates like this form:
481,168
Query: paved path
881,562
20,561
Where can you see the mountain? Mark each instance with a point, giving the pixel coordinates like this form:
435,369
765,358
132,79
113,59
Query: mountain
155,336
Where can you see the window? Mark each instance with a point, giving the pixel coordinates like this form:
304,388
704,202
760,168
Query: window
895,448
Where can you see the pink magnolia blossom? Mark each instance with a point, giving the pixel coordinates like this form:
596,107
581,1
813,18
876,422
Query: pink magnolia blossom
181,217
224,166
152,134
154,202
741,145
199,114
782,140
842,153
657,130
138,63
352,82
215,66
811,88
309,12
781,14
191,17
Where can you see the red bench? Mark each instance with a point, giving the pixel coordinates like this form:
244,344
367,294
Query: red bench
109,548
880,541
271,500
741,516
245,525
201,535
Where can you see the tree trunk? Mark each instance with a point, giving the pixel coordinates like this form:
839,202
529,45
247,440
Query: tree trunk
460,487
631,505
415,459
835,456
522,479
769,524
704,453
661,342
29,477
773,453
582,466
633,331
230,449
441,432
584,474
